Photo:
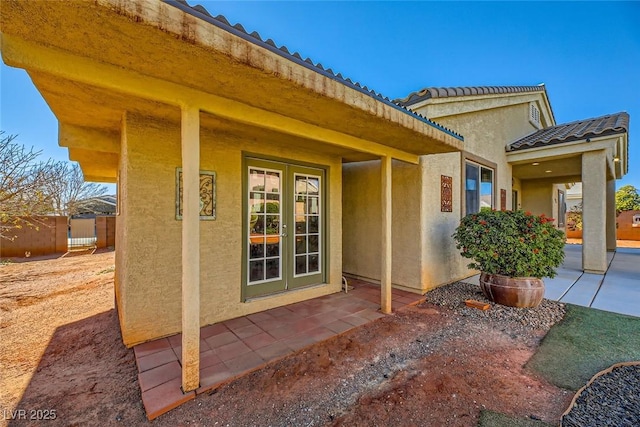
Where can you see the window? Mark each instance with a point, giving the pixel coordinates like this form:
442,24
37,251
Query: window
478,187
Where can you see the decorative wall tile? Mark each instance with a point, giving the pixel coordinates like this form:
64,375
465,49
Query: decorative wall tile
503,199
207,194
446,194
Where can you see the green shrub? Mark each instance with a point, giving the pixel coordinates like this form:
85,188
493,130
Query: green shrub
511,243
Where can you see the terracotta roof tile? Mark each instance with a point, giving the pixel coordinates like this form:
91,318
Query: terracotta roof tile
610,124
238,30
449,92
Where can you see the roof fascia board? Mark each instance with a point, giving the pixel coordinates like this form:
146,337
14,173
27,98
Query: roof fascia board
547,111
308,65
66,65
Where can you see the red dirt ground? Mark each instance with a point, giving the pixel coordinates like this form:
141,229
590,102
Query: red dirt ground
62,351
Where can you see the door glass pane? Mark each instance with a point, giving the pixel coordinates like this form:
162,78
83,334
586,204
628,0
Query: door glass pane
273,268
301,224
256,248
300,184
272,224
313,243
313,186
307,213
272,182
273,246
472,189
301,264
486,188
301,245
256,180
313,205
314,263
256,271
264,224
314,223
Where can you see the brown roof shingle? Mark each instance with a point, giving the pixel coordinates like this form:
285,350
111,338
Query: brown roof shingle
610,124
448,92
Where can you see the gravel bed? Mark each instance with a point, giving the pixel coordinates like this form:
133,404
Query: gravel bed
324,403
453,296
612,399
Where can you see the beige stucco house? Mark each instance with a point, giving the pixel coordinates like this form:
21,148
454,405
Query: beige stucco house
515,156
250,178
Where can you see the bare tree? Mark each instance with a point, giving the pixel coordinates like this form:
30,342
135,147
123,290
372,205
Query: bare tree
22,181
70,194
29,188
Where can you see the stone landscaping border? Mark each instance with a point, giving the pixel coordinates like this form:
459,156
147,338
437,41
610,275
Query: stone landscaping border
591,381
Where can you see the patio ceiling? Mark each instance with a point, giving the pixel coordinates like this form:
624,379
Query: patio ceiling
92,61
557,151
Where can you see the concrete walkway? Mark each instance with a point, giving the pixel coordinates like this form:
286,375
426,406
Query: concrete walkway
618,290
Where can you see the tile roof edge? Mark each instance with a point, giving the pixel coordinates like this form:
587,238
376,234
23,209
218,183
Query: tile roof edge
428,92
570,138
588,119
254,37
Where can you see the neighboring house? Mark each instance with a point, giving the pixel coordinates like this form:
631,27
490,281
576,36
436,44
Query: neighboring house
96,206
249,178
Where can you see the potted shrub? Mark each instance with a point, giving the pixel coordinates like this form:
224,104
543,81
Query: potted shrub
513,250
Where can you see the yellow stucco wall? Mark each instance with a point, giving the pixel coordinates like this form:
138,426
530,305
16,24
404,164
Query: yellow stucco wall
424,253
537,197
363,222
486,134
441,262
148,254
517,186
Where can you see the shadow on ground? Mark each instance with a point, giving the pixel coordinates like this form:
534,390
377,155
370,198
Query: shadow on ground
69,383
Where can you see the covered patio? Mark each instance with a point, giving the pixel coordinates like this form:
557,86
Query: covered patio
238,346
222,98
592,151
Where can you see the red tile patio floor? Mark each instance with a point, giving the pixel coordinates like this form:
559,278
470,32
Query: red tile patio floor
238,346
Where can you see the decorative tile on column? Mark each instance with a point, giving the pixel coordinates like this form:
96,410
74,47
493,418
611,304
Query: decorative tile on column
446,194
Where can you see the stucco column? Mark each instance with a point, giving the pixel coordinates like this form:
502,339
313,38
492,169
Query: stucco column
594,211
190,248
611,215
385,245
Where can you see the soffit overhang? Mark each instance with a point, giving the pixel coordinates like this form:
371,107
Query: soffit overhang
92,61
565,160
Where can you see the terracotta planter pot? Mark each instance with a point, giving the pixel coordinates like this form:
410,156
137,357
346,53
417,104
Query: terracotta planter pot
512,291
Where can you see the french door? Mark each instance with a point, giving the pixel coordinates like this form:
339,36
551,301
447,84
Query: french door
284,227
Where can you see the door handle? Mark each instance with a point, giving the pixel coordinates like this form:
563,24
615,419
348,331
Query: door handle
284,230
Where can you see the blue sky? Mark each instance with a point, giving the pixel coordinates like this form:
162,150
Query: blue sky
587,54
